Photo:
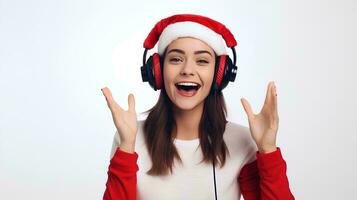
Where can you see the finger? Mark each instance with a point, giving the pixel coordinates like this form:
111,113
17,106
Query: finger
247,107
131,103
275,99
268,94
107,94
110,100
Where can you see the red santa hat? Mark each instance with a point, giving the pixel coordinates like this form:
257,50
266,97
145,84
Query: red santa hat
203,28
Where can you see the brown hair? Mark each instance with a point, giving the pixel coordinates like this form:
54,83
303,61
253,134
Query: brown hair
160,123
158,132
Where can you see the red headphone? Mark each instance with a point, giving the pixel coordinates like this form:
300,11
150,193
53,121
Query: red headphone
225,69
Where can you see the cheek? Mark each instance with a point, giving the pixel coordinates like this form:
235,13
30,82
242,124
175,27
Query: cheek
208,76
168,76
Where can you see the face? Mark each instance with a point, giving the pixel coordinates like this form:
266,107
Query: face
188,72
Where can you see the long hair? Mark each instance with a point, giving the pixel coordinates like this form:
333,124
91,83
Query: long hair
160,123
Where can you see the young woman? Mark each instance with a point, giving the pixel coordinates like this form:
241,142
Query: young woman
186,149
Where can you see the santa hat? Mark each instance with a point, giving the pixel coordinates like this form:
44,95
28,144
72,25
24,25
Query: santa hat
215,34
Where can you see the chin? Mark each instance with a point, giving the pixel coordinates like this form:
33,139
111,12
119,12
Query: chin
188,105
185,107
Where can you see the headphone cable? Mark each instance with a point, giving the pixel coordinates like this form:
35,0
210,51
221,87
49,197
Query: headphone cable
214,176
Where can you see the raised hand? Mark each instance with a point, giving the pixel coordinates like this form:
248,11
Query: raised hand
125,121
264,126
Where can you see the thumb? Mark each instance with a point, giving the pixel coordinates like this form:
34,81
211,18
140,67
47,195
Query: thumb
247,107
131,103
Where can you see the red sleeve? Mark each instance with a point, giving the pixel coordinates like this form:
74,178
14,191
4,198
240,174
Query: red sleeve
265,178
121,182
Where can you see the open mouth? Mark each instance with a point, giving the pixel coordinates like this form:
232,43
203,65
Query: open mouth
187,89
187,86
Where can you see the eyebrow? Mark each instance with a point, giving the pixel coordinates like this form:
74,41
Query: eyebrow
182,52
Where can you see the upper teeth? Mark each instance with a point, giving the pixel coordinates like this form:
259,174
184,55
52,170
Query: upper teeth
188,84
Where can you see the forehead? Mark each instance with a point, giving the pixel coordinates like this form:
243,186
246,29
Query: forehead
189,44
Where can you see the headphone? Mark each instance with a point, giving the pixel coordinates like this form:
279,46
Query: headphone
225,69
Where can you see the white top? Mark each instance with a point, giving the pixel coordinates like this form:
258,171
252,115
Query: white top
192,181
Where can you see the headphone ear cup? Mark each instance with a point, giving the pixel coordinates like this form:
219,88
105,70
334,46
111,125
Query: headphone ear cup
157,69
225,71
151,72
219,72
147,73
230,72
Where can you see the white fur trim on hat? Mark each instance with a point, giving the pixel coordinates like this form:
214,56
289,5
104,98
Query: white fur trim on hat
191,29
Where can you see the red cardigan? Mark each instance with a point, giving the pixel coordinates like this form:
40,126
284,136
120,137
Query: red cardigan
263,179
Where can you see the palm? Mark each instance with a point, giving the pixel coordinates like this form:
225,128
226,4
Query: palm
125,120
264,126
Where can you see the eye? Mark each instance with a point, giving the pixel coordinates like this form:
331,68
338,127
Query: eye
202,61
175,60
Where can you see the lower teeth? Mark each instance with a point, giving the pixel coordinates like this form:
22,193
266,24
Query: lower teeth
187,90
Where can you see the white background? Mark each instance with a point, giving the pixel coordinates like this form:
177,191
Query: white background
56,130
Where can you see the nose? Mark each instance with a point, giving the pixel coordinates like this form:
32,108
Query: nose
187,69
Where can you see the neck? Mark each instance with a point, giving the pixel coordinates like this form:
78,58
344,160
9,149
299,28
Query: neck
187,122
